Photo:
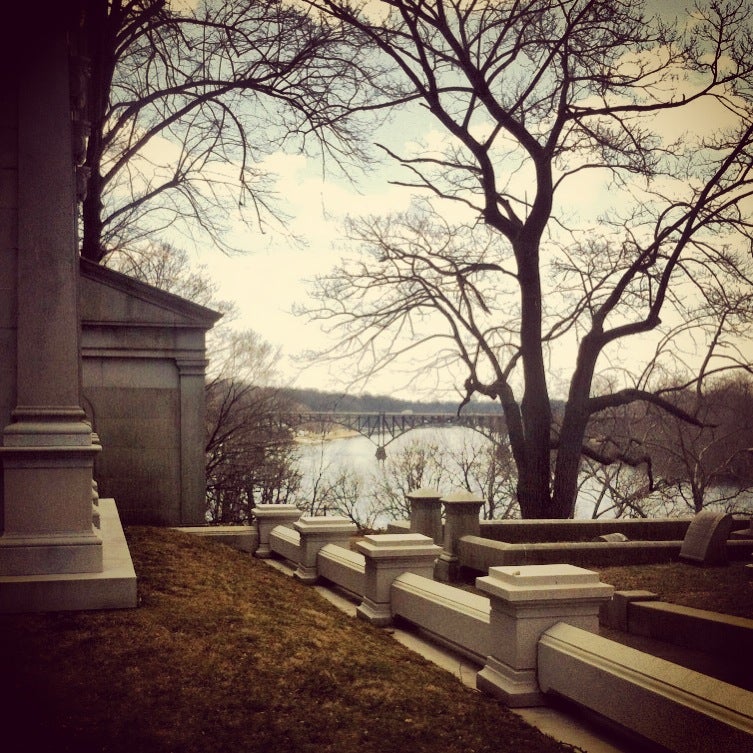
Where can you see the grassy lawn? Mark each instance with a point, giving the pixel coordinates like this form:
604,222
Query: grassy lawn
226,654
726,589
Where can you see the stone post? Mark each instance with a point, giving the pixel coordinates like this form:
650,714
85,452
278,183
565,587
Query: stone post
316,532
386,557
426,513
266,518
461,510
525,602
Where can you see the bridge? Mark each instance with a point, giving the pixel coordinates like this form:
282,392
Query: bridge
383,428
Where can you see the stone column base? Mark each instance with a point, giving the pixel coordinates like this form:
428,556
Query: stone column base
112,588
446,568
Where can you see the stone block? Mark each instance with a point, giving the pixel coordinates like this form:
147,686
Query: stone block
343,567
526,601
452,616
426,513
386,557
285,542
314,533
267,517
668,705
614,613
461,510
114,587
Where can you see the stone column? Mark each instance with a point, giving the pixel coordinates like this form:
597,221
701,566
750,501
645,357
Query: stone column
191,372
47,451
266,518
426,513
386,557
316,532
461,519
525,602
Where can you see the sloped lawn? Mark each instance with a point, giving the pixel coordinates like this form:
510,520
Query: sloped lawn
226,654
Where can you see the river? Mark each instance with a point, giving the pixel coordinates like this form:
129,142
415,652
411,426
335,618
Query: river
328,464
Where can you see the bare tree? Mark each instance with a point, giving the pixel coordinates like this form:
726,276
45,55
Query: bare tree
184,104
485,467
541,102
711,464
415,464
251,458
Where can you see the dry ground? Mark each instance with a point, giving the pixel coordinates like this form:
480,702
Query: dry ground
226,654
725,589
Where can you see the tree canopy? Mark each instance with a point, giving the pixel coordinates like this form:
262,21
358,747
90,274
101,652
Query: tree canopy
601,155
186,100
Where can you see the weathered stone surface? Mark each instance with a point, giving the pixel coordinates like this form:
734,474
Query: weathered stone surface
143,364
315,532
386,557
461,519
705,543
266,518
426,513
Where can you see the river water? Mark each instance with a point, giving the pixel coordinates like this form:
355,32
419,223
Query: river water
325,460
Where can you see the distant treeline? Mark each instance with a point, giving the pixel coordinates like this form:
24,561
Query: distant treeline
316,400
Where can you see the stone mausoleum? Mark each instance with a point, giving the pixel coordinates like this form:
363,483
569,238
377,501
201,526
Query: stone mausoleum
143,368
62,544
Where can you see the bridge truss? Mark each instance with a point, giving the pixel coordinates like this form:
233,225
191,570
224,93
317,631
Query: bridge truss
383,428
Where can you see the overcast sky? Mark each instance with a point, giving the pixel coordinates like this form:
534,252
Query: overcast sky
269,279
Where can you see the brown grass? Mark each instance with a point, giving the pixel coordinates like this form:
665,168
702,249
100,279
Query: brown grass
226,654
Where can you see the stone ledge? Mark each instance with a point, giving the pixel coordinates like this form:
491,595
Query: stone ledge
343,567
697,629
455,618
243,538
113,588
286,542
675,707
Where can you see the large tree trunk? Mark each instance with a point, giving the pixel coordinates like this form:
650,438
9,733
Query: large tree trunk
573,430
534,472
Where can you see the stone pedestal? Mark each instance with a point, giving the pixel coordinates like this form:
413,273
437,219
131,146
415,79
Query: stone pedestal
525,602
48,521
266,517
51,555
316,532
426,513
386,557
461,519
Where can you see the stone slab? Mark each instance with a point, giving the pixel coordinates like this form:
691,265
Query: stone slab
669,705
543,582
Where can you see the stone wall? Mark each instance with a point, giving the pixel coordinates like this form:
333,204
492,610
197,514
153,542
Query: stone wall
143,368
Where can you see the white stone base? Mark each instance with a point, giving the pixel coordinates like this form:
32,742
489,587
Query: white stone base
517,688
379,615
113,588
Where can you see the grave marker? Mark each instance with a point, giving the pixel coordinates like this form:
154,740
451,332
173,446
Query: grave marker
705,543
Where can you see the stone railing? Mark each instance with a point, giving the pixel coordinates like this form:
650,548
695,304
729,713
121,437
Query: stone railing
530,629
392,577
668,705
